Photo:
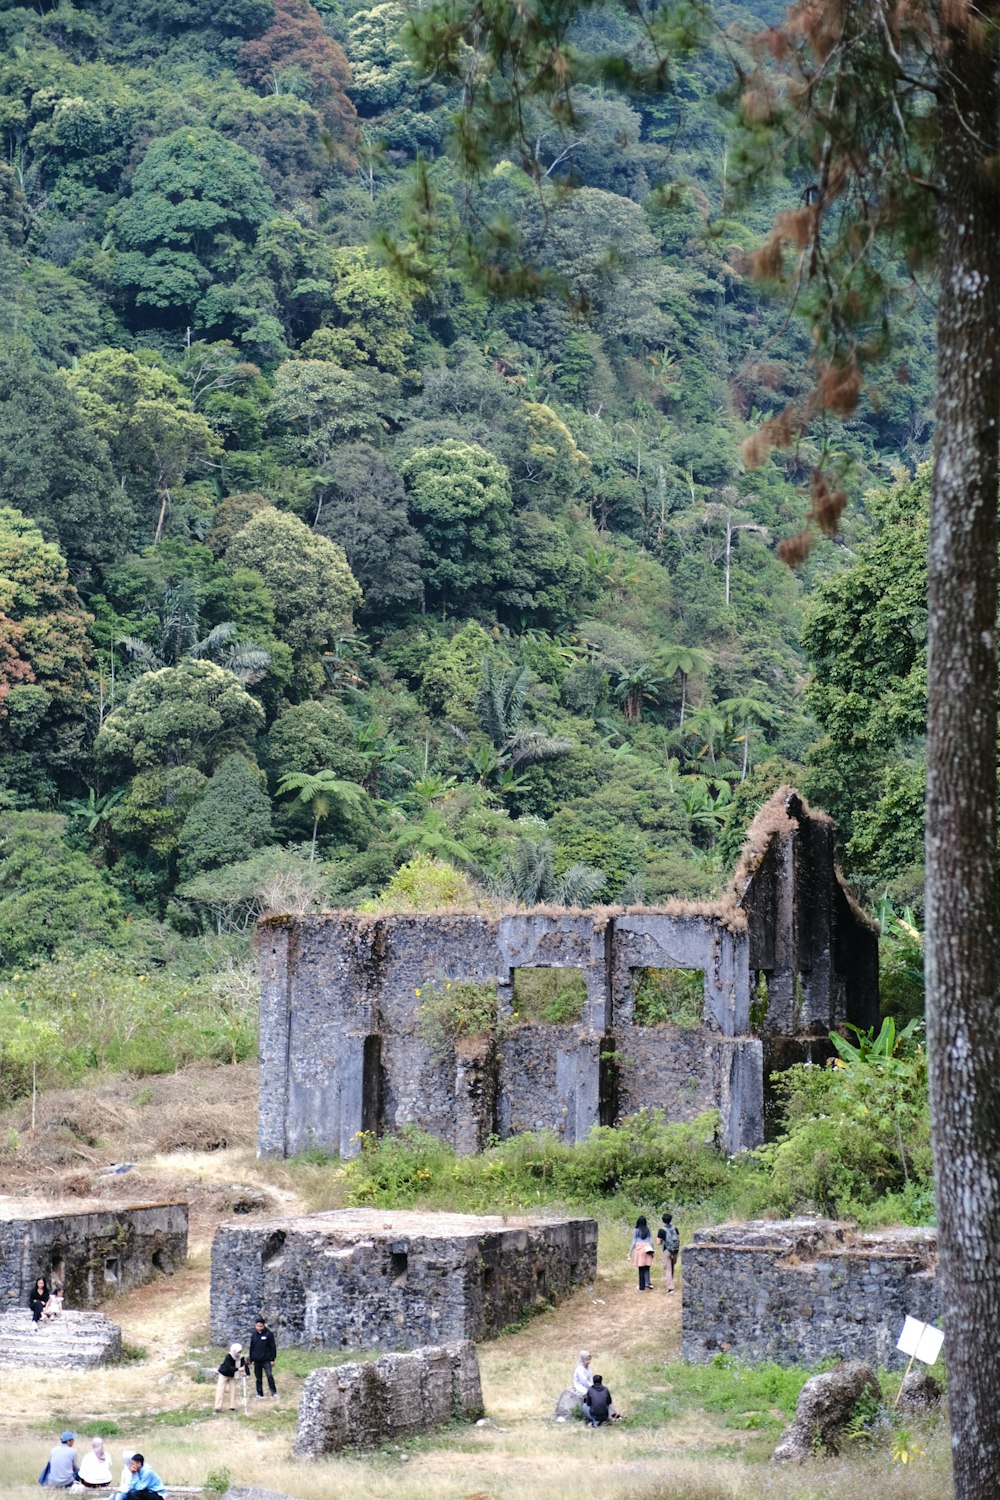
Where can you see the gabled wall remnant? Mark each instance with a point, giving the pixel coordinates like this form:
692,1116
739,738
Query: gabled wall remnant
398,1396
343,1049
803,1290
368,1278
93,1250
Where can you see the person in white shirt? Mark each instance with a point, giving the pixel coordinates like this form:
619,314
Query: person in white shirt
582,1378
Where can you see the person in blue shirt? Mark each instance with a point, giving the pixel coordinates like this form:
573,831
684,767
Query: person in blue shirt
144,1481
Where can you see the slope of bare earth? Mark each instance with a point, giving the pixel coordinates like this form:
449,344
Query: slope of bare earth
193,1134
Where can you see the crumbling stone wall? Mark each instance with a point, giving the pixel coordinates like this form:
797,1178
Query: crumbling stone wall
95,1250
364,1278
397,1396
344,1049
798,1291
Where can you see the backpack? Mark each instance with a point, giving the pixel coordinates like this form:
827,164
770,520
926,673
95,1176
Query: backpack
671,1239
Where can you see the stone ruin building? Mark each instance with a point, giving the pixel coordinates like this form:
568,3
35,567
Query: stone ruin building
392,1398
801,1290
373,1278
92,1249
783,958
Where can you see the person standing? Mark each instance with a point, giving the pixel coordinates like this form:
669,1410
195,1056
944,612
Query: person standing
263,1353
642,1254
232,1364
61,1470
670,1241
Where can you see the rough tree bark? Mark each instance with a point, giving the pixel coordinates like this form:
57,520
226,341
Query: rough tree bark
962,928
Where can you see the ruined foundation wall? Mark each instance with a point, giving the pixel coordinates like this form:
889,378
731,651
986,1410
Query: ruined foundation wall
398,1396
800,1291
364,1279
344,1048
95,1250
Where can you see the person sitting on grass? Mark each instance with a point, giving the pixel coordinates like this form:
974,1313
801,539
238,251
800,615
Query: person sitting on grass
143,1480
582,1378
95,1467
597,1403
61,1470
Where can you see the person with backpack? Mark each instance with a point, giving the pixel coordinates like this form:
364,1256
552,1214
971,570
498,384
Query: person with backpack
670,1240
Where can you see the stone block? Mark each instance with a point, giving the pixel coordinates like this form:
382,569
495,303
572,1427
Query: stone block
396,1397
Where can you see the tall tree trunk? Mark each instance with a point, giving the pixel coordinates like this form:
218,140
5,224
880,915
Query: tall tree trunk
962,929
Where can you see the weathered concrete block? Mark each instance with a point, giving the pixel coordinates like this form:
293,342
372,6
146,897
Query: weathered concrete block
363,1278
800,1290
92,1249
398,1396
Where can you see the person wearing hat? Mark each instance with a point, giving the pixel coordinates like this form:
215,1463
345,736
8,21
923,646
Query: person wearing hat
60,1471
233,1364
582,1378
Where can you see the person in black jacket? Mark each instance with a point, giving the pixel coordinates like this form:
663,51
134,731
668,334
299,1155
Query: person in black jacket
263,1353
233,1364
38,1298
597,1403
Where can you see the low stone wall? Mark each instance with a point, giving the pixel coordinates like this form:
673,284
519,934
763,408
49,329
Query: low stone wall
366,1278
93,1249
397,1396
800,1290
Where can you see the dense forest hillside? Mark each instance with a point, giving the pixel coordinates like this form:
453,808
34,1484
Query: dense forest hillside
330,574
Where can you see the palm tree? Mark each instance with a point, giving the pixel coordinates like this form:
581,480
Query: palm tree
246,661
686,660
433,836
635,686
322,792
528,876
744,711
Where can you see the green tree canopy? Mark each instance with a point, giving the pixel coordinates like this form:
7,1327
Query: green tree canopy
189,715
460,502
314,591
229,821
196,198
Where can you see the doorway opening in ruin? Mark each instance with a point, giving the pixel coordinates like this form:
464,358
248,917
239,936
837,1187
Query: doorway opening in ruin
162,1262
371,1085
489,1280
273,1246
555,996
398,1261
668,997
111,1270
57,1266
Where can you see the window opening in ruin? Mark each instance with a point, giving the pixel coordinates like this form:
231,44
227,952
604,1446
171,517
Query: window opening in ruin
555,996
398,1260
162,1262
759,1001
57,1266
669,997
371,1086
489,1280
111,1269
273,1246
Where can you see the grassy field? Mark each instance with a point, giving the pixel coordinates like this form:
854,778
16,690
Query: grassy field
691,1431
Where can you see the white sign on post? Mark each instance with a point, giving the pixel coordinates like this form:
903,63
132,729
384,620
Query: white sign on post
920,1341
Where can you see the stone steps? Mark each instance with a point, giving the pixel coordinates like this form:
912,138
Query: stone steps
73,1341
